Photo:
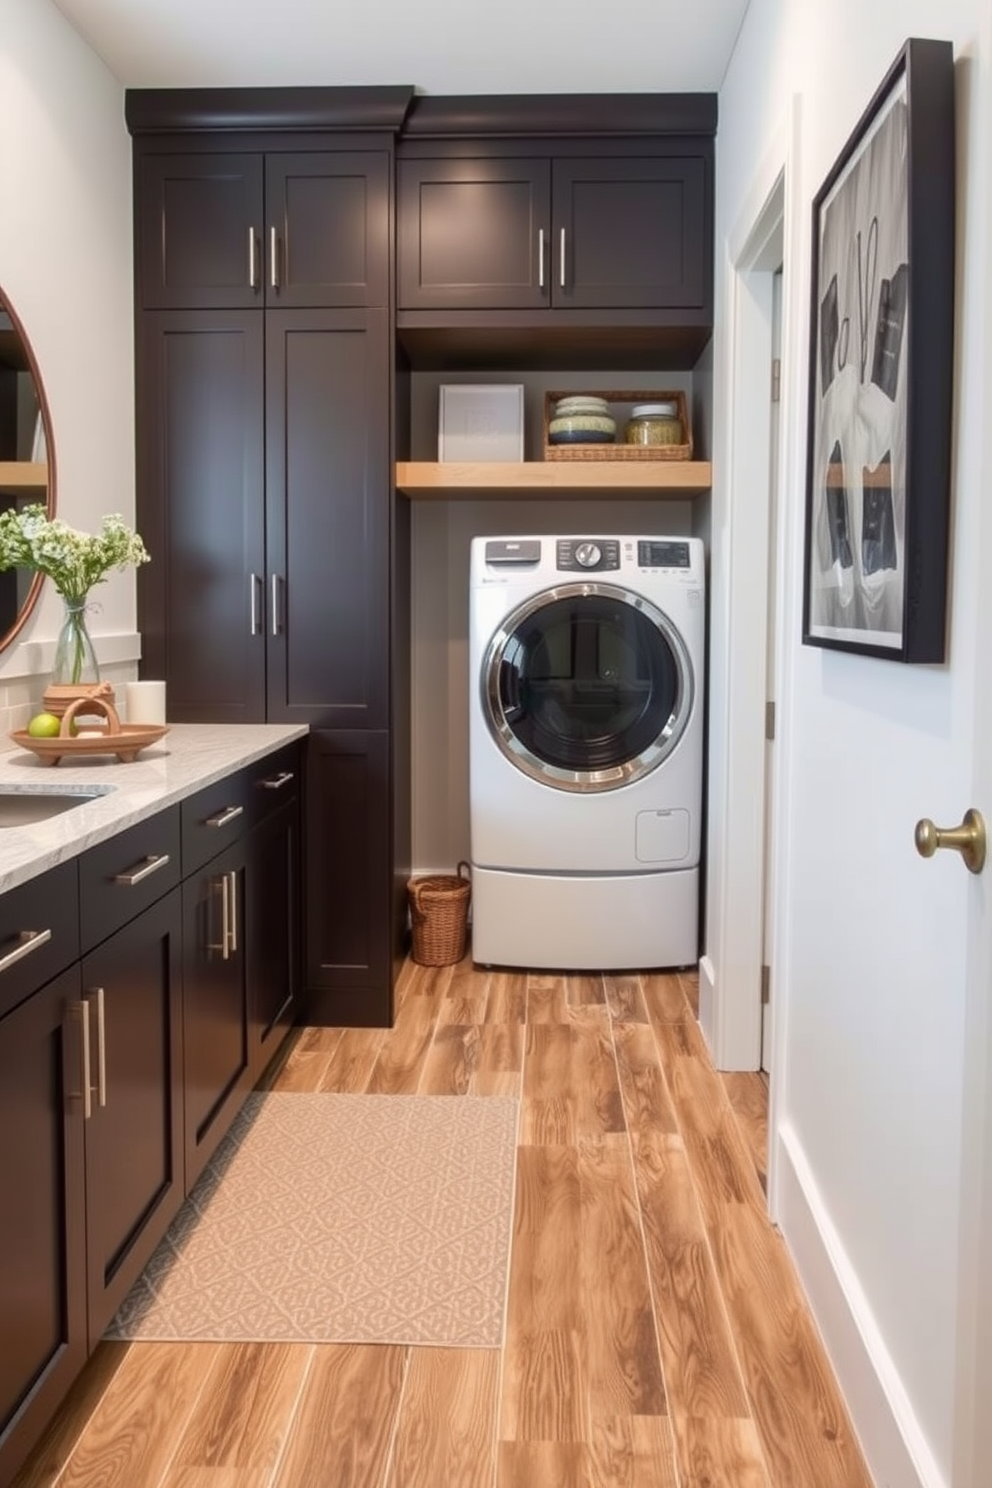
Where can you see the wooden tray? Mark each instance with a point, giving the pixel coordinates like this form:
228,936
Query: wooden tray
126,740
621,404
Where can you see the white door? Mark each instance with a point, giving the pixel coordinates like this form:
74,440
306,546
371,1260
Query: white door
770,645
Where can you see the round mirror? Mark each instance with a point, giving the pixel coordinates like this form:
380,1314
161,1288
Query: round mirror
27,458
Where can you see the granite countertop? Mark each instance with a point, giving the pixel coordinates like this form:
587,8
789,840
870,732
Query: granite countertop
191,755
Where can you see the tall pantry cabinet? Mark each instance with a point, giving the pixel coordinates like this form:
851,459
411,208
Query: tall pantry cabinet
264,370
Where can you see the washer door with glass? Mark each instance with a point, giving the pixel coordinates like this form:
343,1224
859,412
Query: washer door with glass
587,687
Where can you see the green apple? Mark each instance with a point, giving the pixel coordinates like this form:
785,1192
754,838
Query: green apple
44,726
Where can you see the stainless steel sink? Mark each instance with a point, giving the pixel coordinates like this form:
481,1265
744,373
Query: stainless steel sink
23,805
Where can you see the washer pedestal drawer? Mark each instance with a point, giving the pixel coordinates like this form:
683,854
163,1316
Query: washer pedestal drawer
585,923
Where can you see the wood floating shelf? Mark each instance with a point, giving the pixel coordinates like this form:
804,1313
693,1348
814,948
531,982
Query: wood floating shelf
20,476
647,479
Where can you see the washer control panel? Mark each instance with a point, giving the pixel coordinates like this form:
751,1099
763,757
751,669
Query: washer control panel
588,554
662,553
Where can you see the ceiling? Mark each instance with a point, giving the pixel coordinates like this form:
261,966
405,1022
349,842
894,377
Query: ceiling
438,46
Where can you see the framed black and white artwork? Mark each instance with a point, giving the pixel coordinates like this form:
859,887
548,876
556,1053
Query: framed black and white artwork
881,372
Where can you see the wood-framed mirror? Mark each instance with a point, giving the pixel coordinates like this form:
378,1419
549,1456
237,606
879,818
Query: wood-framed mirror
27,458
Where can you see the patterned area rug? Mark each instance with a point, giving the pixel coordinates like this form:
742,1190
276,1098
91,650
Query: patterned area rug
341,1219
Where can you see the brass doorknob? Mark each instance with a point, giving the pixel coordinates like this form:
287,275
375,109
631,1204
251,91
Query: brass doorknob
969,839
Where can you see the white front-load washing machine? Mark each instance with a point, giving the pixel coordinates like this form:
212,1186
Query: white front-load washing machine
586,750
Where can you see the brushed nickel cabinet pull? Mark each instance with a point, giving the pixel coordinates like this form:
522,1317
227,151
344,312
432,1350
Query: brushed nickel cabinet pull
561,265
276,782
276,613
221,944
232,933
82,1009
225,899
540,258
150,865
27,941
221,818
274,258
252,259
254,596
101,1050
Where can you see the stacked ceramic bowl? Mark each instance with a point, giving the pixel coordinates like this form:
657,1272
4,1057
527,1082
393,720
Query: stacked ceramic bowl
582,420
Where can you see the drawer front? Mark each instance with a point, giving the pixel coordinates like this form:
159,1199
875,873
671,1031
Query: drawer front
273,781
123,876
39,932
214,818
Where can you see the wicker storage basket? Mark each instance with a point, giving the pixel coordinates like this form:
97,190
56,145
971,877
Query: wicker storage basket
439,916
621,404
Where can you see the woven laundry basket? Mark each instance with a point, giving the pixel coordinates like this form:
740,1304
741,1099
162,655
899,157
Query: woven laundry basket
439,916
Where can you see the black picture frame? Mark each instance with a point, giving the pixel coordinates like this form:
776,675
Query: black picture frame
881,372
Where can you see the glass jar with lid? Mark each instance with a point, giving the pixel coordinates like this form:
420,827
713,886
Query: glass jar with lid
653,424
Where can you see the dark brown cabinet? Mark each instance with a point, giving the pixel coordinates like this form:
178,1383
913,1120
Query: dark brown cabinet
264,373
272,916
217,1073
241,917
603,232
42,1233
298,229
349,882
134,1150
264,499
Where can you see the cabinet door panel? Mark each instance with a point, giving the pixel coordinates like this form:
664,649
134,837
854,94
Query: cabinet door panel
215,1005
134,1159
272,887
196,212
634,233
42,1234
348,934
328,493
200,510
330,214
470,234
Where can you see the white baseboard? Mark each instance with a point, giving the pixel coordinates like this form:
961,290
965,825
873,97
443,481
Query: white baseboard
894,1446
707,999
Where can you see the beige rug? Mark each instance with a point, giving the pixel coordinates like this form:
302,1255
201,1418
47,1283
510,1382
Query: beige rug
345,1219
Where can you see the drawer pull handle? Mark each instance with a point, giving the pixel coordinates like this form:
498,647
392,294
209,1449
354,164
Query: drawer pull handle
274,258
540,258
27,941
150,865
221,818
276,782
561,265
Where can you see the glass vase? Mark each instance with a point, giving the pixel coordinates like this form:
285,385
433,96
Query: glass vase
75,659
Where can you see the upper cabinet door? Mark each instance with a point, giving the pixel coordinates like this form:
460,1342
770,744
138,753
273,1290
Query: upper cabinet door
200,232
630,233
474,234
327,229
201,510
327,517
318,237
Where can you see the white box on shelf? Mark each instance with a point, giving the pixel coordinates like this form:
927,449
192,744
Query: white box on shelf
481,422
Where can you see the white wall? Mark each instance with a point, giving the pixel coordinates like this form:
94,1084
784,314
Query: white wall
872,945
65,266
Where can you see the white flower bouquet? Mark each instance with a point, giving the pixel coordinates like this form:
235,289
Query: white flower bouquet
74,561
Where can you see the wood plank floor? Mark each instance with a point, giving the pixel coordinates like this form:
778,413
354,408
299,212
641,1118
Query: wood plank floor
656,1334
